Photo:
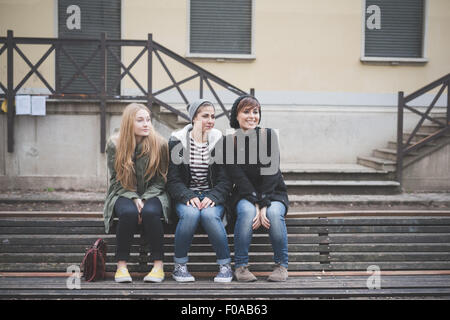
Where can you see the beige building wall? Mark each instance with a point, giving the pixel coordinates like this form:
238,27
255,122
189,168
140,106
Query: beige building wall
330,107
300,46
29,18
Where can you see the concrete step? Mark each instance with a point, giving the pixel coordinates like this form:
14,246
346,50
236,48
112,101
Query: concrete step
393,144
377,163
337,179
440,116
389,154
422,133
331,171
417,137
362,203
384,153
430,128
167,117
90,204
298,187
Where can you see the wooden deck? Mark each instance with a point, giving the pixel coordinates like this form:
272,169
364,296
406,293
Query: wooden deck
330,257
298,287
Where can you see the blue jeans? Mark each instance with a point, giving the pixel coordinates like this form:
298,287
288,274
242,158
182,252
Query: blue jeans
243,232
210,219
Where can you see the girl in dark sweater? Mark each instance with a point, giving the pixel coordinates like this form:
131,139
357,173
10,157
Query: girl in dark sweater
199,189
259,196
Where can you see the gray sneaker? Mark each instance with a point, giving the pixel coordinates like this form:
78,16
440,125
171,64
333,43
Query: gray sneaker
243,275
181,273
279,274
225,274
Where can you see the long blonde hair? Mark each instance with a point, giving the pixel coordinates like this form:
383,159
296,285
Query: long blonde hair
154,146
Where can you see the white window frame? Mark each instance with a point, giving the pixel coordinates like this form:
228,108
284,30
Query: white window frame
394,59
220,56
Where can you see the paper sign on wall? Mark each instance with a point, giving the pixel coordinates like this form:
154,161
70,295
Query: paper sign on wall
38,106
23,104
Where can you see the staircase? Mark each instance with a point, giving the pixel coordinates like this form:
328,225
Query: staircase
171,120
337,179
375,174
381,173
386,158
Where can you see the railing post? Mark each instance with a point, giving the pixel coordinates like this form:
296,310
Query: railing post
103,92
400,137
150,72
10,90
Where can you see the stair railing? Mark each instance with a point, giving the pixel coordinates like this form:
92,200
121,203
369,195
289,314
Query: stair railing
102,92
404,148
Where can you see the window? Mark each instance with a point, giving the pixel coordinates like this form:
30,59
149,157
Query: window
393,30
87,19
220,28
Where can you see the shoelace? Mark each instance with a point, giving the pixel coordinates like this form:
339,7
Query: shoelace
182,268
224,269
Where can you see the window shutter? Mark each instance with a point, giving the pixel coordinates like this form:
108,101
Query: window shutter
221,27
95,17
401,29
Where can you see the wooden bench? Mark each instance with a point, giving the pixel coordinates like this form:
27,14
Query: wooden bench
51,244
35,243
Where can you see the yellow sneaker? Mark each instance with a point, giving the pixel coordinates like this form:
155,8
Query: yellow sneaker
122,275
156,275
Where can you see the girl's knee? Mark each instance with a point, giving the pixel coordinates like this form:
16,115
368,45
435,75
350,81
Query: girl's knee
211,214
245,208
151,213
275,212
128,214
187,212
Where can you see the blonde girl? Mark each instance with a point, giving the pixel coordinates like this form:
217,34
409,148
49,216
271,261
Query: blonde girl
138,163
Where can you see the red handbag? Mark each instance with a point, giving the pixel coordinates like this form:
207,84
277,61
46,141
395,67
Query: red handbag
94,261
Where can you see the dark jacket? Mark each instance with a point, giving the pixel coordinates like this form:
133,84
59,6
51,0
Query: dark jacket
179,175
249,182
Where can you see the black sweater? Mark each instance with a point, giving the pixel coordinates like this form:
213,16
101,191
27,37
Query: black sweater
248,180
179,177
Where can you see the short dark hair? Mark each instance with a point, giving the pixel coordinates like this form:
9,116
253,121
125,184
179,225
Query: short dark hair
248,102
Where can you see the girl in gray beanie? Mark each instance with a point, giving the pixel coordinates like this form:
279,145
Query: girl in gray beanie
199,190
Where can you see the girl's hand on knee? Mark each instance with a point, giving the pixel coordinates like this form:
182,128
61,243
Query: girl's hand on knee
139,205
206,203
195,202
263,218
256,219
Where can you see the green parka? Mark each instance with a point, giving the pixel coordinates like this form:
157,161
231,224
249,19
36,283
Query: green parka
156,187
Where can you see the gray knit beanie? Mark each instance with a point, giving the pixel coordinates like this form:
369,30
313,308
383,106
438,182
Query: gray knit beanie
193,107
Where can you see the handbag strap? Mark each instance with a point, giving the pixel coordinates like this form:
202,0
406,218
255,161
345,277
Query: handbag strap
95,251
98,243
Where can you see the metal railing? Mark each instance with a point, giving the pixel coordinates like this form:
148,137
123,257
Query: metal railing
404,148
102,92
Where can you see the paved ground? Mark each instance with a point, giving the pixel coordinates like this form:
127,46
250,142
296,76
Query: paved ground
93,201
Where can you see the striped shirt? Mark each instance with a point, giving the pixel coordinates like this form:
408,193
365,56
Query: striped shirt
198,162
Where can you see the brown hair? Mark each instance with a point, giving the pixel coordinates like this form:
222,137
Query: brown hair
154,146
248,102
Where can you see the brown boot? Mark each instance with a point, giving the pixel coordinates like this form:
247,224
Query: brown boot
279,274
243,275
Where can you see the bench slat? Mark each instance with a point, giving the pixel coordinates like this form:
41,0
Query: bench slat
390,238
